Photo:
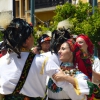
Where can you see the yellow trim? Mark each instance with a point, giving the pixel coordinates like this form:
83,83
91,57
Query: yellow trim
43,65
25,50
41,51
77,90
45,97
84,97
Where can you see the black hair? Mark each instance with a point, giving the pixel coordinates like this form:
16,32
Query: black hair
16,34
58,37
39,40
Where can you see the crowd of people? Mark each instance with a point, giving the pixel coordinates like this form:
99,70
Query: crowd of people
60,67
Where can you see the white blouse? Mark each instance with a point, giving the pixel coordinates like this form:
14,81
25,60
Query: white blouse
96,67
10,74
68,89
35,84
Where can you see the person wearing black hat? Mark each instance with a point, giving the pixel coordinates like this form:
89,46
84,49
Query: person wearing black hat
20,69
44,43
22,73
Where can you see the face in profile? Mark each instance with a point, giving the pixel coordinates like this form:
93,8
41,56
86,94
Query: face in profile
65,54
82,43
29,42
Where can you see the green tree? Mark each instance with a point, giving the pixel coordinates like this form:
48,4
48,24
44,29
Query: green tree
81,17
1,36
42,29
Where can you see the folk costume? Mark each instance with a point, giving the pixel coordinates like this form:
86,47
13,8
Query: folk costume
17,84
57,93
84,60
13,63
96,68
42,39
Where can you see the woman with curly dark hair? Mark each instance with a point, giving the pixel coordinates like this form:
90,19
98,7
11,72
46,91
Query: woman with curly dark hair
82,58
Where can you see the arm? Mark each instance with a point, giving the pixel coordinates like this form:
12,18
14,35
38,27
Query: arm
81,86
96,71
53,69
96,75
61,76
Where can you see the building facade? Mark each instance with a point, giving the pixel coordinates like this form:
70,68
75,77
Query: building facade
8,7
44,9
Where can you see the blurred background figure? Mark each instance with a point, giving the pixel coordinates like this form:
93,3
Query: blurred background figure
2,50
44,43
87,49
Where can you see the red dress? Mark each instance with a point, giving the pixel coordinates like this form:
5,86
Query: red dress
1,55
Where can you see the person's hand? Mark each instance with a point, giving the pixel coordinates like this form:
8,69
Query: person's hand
35,50
60,76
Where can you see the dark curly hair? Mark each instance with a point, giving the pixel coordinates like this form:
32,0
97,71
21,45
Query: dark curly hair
58,37
16,34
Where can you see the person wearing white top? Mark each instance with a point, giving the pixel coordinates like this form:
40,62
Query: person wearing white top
18,40
96,70
82,85
60,36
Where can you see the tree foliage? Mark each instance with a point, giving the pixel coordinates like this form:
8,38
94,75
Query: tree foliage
80,15
82,18
43,29
1,36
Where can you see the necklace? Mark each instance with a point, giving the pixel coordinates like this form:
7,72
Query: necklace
69,69
67,64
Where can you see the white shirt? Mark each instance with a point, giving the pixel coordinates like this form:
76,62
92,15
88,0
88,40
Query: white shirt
68,92
10,74
96,67
54,57
35,84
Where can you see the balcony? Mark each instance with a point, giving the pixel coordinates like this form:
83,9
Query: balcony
48,3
